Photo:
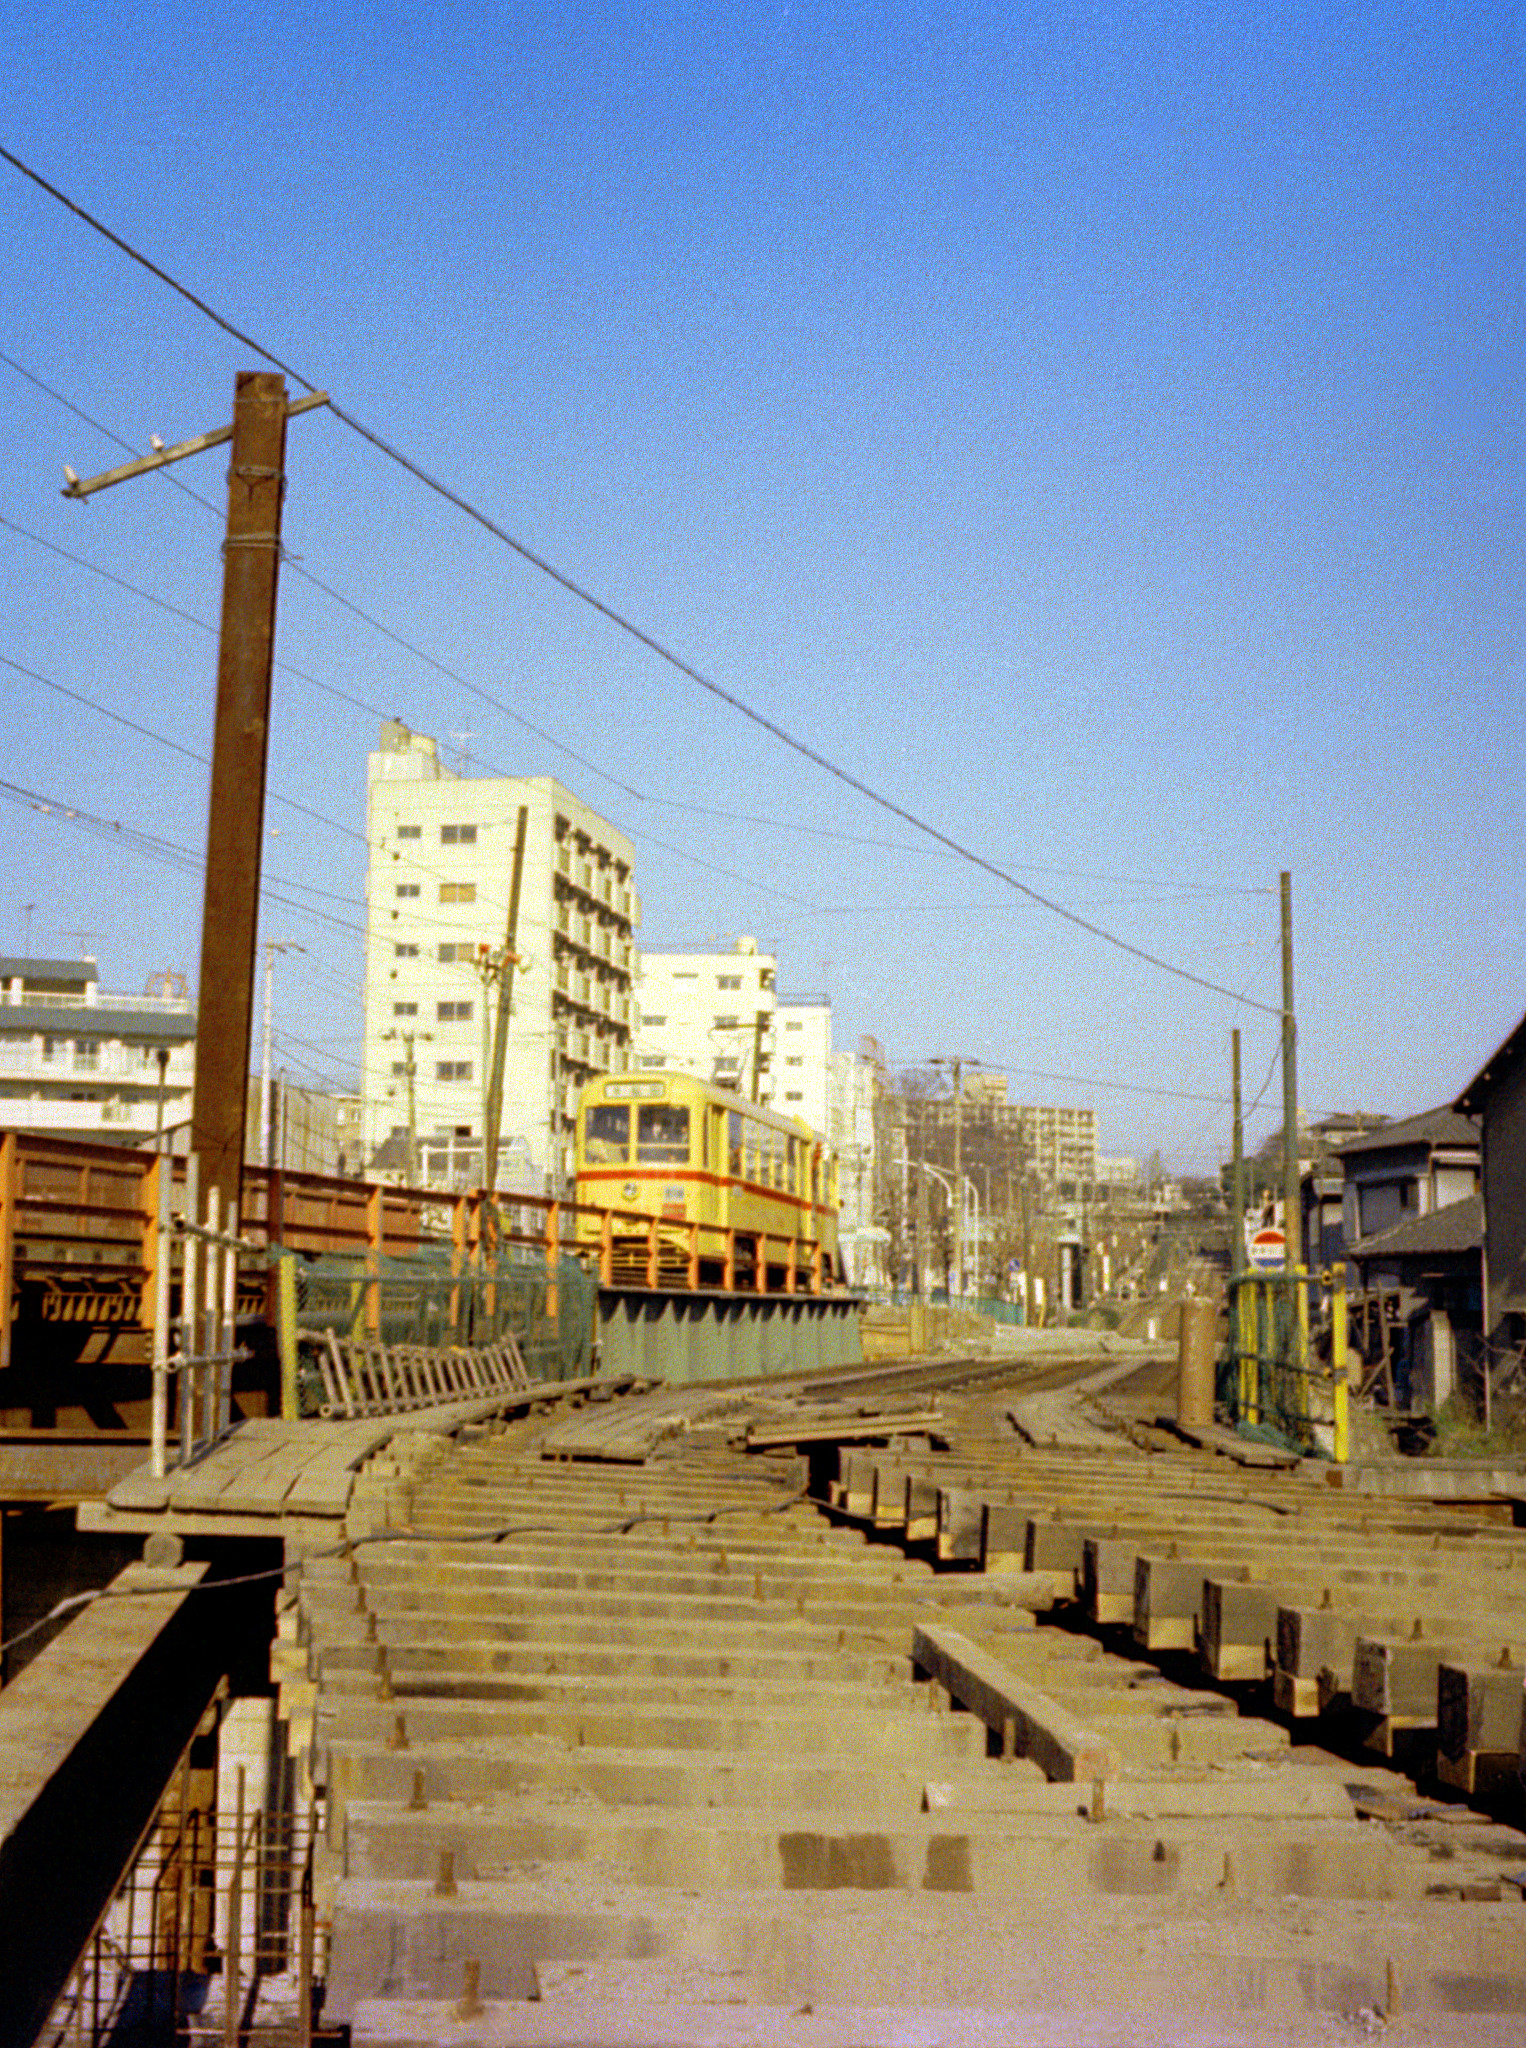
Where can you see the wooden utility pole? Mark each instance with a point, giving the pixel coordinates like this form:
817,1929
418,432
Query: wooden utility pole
236,828
492,1121
1237,1167
236,811
1292,1219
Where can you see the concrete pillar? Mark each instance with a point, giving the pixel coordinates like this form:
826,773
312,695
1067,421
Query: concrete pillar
1195,1363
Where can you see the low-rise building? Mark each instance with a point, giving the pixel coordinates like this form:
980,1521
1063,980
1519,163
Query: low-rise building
1497,1097
79,1061
1407,1169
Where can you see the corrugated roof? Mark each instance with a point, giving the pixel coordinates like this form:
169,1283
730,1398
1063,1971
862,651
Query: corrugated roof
1499,1063
1459,1227
1442,1126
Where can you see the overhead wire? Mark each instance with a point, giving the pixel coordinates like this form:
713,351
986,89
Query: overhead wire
1185,888
628,626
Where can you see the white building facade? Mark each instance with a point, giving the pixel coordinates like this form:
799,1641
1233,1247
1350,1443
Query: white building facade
710,1014
803,1062
77,1061
441,863
855,1085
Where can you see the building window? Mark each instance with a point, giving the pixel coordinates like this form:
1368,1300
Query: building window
459,950
405,952
794,1095
458,835
727,1023
407,831
728,981
793,1024
685,974
399,1069
727,1066
454,1013
87,1055
794,1059
458,892
650,1059
405,1009
453,1070
407,888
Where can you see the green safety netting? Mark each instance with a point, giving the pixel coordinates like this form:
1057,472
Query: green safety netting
421,1300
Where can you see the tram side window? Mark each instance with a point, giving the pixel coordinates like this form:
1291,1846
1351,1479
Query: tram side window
776,1153
607,1134
734,1143
662,1132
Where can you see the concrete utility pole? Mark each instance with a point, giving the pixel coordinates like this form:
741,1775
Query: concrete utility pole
957,1067
410,1078
272,947
759,1027
1237,1167
507,961
236,821
1292,1219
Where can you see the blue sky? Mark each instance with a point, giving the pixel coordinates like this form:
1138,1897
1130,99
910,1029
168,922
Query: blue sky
1098,429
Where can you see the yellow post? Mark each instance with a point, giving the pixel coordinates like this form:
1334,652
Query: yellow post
1300,1325
1249,1310
553,1258
286,1332
1341,1391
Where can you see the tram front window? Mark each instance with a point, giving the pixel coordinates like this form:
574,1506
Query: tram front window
607,1134
662,1132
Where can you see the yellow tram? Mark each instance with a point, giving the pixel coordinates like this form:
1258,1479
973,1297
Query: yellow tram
700,1188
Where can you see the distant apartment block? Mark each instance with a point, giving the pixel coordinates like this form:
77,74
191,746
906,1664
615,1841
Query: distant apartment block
78,1061
803,1061
711,1014
441,860
1057,1145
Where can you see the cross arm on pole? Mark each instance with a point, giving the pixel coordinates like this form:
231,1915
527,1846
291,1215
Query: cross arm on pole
84,487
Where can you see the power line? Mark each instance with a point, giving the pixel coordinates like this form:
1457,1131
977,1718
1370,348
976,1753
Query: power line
638,633
1186,887
79,413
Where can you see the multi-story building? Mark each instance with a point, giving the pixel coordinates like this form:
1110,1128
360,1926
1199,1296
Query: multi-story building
851,1122
803,1062
79,1062
711,1014
441,861
1056,1146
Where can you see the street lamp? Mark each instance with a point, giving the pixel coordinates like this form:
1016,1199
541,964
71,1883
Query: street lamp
962,1225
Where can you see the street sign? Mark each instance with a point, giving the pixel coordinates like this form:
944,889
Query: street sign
1267,1248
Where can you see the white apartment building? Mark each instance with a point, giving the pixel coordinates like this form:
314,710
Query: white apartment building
855,1083
710,1014
803,1063
441,861
79,1062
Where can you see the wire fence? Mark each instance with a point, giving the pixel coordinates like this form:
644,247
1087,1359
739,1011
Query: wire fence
433,1298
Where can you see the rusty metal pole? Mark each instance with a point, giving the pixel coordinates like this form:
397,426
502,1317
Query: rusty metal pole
236,814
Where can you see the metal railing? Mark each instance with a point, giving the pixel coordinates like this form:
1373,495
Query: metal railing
196,1352
1272,1374
211,1937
